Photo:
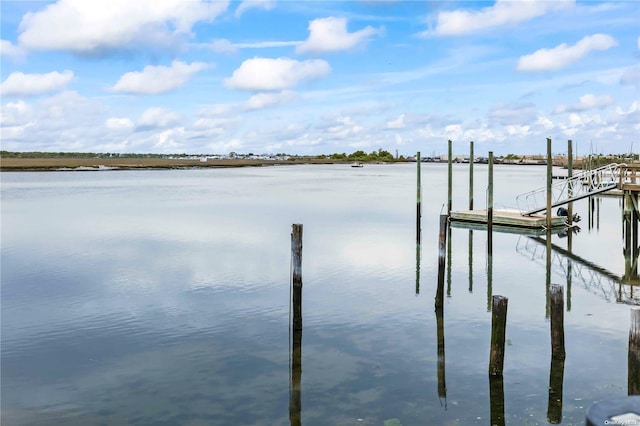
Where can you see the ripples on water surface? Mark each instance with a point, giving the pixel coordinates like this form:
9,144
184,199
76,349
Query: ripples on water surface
162,298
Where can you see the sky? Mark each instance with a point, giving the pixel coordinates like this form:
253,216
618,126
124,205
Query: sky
315,77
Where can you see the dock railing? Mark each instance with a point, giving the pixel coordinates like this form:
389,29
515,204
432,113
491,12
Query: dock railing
582,185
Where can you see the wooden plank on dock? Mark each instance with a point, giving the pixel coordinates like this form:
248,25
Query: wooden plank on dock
508,218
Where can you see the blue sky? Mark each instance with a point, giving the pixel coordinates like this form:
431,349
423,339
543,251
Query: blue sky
314,77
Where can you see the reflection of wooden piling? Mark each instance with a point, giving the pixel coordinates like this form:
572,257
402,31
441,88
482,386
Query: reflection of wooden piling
634,353
449,178
489,280
548,274
442,385
295,400
498,331
557,321
556,381
496,400
470,261
442,244
296,270
418,250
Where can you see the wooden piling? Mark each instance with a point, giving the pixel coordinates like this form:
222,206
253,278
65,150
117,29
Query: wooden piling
471,175
496,400
449,177
498,331
569,176
418,200
557,321
296,272
549,178
548,251
442,244
449,261
633,371
490,204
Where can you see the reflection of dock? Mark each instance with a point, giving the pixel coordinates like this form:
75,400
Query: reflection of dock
508,228
594,278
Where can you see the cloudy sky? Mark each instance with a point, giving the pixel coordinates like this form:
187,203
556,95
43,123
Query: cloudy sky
314,77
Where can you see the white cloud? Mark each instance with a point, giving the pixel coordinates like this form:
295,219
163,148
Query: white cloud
512,113
21,84
631,76
503,12
563,54
157,118
330,35
15,114
398,123
254,4
276,74
586,102
94,27
263,100
119,123
10,50
153,80
222,45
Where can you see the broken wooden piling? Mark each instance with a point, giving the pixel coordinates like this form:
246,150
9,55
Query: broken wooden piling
498,331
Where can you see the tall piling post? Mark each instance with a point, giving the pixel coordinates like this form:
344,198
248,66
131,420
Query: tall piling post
498,331
633,371
569,176
449,176
295,399
296,272
490,205
549,178
418,199
471,175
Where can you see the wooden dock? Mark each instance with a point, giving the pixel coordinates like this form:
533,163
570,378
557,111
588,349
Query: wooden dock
508,219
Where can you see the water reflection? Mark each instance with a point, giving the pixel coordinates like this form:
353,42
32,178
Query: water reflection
556,380
470,261
593,278
439,307
496,399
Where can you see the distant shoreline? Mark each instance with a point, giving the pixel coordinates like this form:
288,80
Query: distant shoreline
99,164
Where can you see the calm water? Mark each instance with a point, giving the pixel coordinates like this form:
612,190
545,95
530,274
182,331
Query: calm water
162,298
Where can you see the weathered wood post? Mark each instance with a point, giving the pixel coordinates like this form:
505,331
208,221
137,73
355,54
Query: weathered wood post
498,330
496,400
633,371
418,200
549,178
296,270
490,204
449,257
449,177
442,244
569,176
471,175
489,279
547,308
295,400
